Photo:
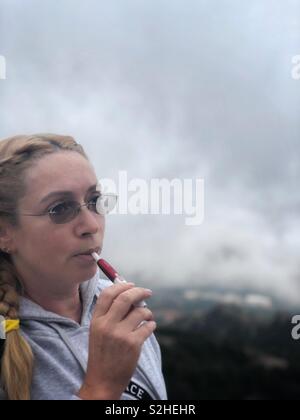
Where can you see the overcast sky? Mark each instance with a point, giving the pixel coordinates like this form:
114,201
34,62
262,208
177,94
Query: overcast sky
173,89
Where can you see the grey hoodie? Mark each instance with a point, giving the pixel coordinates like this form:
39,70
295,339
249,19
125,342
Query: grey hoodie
60,348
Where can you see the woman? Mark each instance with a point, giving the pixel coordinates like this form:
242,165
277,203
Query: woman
68,335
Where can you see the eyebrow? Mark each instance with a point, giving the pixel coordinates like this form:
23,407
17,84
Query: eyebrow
64,194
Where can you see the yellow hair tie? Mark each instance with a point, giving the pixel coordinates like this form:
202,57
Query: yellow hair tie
11,325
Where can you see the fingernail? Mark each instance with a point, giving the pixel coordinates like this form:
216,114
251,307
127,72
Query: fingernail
149,291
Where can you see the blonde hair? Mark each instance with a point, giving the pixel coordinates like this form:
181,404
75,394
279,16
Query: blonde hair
17,155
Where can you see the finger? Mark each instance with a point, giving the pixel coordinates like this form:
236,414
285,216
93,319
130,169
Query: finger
124,302
107,297
145,331
135,318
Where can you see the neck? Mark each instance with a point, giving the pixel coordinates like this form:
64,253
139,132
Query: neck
66,304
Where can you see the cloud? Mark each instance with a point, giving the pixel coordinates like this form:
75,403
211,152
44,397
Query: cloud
170,89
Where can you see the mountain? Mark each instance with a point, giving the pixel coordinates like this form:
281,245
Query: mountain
216,348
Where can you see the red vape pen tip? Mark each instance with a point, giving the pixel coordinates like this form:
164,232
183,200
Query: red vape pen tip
107,269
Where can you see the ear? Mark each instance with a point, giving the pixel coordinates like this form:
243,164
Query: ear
6,236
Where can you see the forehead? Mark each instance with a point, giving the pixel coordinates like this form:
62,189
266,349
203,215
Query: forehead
68,171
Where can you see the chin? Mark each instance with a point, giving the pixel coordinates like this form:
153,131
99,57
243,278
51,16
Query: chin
93,271
86,273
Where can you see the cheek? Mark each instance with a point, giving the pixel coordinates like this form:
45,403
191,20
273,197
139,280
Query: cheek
55,240
103,224
49,243
40,239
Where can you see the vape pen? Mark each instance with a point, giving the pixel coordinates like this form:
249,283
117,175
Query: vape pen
113,275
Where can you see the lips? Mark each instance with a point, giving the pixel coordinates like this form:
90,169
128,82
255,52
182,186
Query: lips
88,252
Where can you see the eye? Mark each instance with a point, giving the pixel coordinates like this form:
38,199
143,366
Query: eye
93,201
60,208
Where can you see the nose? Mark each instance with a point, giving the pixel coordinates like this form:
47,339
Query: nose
88,222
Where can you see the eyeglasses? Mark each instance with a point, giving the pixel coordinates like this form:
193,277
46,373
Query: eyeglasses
66,211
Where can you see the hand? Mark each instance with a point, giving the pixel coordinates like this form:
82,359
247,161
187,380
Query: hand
118,332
